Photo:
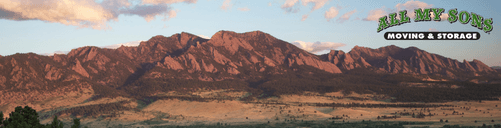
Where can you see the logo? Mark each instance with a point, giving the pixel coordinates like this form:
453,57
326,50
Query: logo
423,15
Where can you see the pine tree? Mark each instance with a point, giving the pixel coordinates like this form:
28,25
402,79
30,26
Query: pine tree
1,118
56,123
28,118
76,123
22,117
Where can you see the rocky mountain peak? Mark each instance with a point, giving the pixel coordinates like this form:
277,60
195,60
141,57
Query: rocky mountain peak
413,60
343,60
83,51
221,33
481,67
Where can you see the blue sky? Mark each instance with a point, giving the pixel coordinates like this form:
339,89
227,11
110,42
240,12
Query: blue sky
41,26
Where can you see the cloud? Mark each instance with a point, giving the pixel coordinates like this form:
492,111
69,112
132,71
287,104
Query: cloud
346,16
113,46
56,52
443,17
203,36
317,4
128,44
432,30
226,5
244,9
148,12
269,4
304,17
168,1
172,14
288,6
410,6
85,13
331,13
315,47
375,14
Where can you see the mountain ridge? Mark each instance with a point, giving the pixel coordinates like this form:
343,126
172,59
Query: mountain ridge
235,60
413,60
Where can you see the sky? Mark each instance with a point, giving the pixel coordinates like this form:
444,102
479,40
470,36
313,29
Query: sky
318,26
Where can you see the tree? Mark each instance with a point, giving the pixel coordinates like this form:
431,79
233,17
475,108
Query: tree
76,123
28,118
55,123
1,118
22,117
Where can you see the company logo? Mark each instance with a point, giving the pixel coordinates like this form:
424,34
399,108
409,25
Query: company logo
422,15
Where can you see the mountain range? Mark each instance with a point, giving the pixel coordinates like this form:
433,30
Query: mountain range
226,60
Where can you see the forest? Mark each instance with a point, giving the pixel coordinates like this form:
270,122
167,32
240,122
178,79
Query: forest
27,117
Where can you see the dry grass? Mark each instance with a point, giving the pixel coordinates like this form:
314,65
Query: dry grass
179,112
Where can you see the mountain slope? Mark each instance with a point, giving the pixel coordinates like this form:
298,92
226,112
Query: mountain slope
252,61
227,55
393,59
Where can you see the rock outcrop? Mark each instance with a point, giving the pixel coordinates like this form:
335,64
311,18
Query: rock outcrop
345,61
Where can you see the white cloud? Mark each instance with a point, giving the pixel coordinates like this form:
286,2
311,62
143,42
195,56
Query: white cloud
168,1
375,14
288,6
203,36
128,44
148,12
226,5
304,17
346,16
443,17
317,4
56,52
433,30
315,47
172,14
85,13
113,46
331,13
244,9
410,6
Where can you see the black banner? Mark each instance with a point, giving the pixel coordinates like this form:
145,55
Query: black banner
432,35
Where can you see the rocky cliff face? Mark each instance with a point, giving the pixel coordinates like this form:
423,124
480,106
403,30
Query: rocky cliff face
393,59
227,55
